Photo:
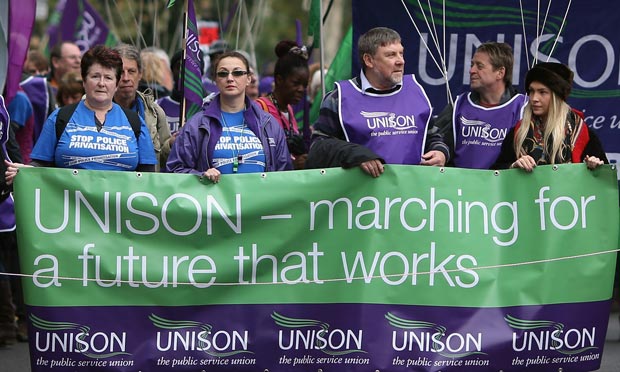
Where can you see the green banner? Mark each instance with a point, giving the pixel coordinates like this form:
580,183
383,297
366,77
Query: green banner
416,235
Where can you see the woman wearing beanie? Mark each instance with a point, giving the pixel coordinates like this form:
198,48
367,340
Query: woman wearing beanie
551,132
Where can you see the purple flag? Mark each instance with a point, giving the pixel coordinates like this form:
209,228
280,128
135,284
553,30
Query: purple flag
21,22
78,21
193,91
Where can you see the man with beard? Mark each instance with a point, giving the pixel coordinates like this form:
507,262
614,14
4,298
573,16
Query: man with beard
379,117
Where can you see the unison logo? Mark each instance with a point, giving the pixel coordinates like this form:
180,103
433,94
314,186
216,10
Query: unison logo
384,120
481,130
548,335
309,334
186,335
430,337
67,337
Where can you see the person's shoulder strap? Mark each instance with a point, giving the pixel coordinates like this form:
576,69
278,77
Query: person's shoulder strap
134,120
262,104
64,114
51,97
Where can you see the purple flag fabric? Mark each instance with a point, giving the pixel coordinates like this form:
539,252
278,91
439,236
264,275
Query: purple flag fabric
21,22
193,90
78,21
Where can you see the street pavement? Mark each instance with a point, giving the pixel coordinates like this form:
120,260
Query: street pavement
15,358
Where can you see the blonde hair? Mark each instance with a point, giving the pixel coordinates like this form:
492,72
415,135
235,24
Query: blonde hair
155,69
554,128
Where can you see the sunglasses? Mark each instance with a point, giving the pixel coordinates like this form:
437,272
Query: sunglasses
236,73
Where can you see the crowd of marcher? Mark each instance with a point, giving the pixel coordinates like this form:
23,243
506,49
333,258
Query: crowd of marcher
119,109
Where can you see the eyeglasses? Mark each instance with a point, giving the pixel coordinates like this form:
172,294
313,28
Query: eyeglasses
236,73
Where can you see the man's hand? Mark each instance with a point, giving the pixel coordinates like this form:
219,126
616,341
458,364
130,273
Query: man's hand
434,158
173,137
372,167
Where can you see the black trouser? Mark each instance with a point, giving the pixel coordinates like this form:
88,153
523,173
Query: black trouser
10,257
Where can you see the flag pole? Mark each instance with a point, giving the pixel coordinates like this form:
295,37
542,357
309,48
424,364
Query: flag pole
182,72
321,48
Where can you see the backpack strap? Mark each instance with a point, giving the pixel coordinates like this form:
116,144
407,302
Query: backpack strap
262,104
65,112
134,120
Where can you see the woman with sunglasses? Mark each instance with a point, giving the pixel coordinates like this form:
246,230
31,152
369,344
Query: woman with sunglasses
232,134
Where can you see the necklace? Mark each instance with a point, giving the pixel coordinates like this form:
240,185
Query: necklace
274,100
237,158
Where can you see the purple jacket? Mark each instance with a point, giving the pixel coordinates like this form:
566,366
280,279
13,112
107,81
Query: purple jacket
192,151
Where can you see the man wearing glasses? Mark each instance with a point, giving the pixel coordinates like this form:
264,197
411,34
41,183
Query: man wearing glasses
65,57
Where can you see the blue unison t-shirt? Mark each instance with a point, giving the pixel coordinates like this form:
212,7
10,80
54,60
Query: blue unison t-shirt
83,146
238,145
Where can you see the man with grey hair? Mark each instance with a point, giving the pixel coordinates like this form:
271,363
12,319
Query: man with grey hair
475,127
128,96
379,117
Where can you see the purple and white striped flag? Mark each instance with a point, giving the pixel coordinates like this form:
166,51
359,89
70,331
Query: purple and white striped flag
79,22
193,90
